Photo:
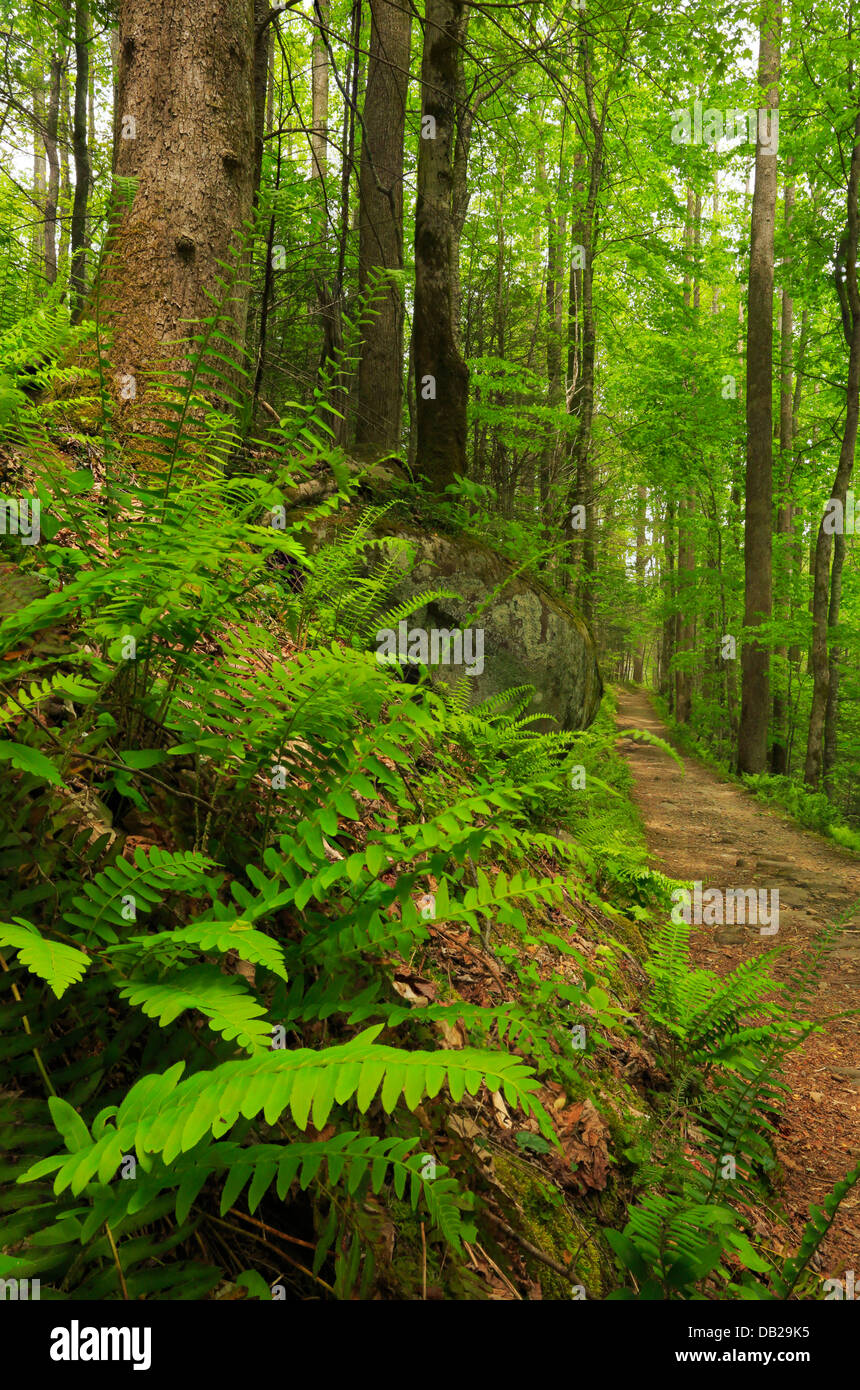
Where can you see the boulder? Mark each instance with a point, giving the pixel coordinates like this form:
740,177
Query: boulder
530,635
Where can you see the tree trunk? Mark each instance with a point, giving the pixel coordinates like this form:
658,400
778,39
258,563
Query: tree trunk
582,400
40,183
52,121
380,238
831,721
185,112
755,663
77,273
642,504
64,202
849,304
668,645
319,92
556,235
441,375
686,585
784,515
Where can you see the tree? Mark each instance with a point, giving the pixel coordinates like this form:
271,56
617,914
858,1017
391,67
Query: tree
77,275
825,605
755,668
380,376
441,375
185,135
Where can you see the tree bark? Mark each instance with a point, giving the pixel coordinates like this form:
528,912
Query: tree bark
380,243
848,293
755,662
642,504
40,182
441,375
582,398
185,134
784,515
52,121
77,273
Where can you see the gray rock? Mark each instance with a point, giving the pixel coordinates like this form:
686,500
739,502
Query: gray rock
531,637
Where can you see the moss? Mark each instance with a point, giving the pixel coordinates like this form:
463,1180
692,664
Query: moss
551,1225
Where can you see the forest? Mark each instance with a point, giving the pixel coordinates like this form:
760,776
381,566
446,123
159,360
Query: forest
429,652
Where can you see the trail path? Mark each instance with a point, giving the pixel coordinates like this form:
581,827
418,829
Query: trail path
701,827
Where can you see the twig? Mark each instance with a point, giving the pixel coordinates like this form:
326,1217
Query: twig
28,1030
423,1264
264,1226
122,1283
539,1254
283,1254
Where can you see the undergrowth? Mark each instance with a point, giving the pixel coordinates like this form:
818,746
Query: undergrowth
292,942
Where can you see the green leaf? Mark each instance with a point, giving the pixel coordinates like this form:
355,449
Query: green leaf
28,759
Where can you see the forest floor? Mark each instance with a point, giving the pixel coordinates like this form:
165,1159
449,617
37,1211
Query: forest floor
701,826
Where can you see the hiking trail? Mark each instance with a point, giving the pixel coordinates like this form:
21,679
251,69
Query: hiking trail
701,826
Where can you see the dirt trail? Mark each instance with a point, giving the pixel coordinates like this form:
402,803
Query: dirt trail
701,827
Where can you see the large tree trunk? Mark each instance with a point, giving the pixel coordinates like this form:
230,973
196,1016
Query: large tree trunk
755,663
380,374
441,375
185,118
849,303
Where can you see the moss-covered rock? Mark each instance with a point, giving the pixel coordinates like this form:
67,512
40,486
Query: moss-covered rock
530,635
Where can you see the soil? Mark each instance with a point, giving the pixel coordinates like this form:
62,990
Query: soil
702,826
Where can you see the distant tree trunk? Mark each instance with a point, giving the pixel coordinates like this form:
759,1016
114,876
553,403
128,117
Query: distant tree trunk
64,202
668,645
686,591
52,122
262,36
784,515
77,273
686,585
795,653
441,375
91,136
380,245
831,721
40,183
845,278
642,501
755,664
319,92
556,235
185,121
466,111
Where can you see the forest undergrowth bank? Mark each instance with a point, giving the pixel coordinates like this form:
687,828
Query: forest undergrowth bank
319,980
